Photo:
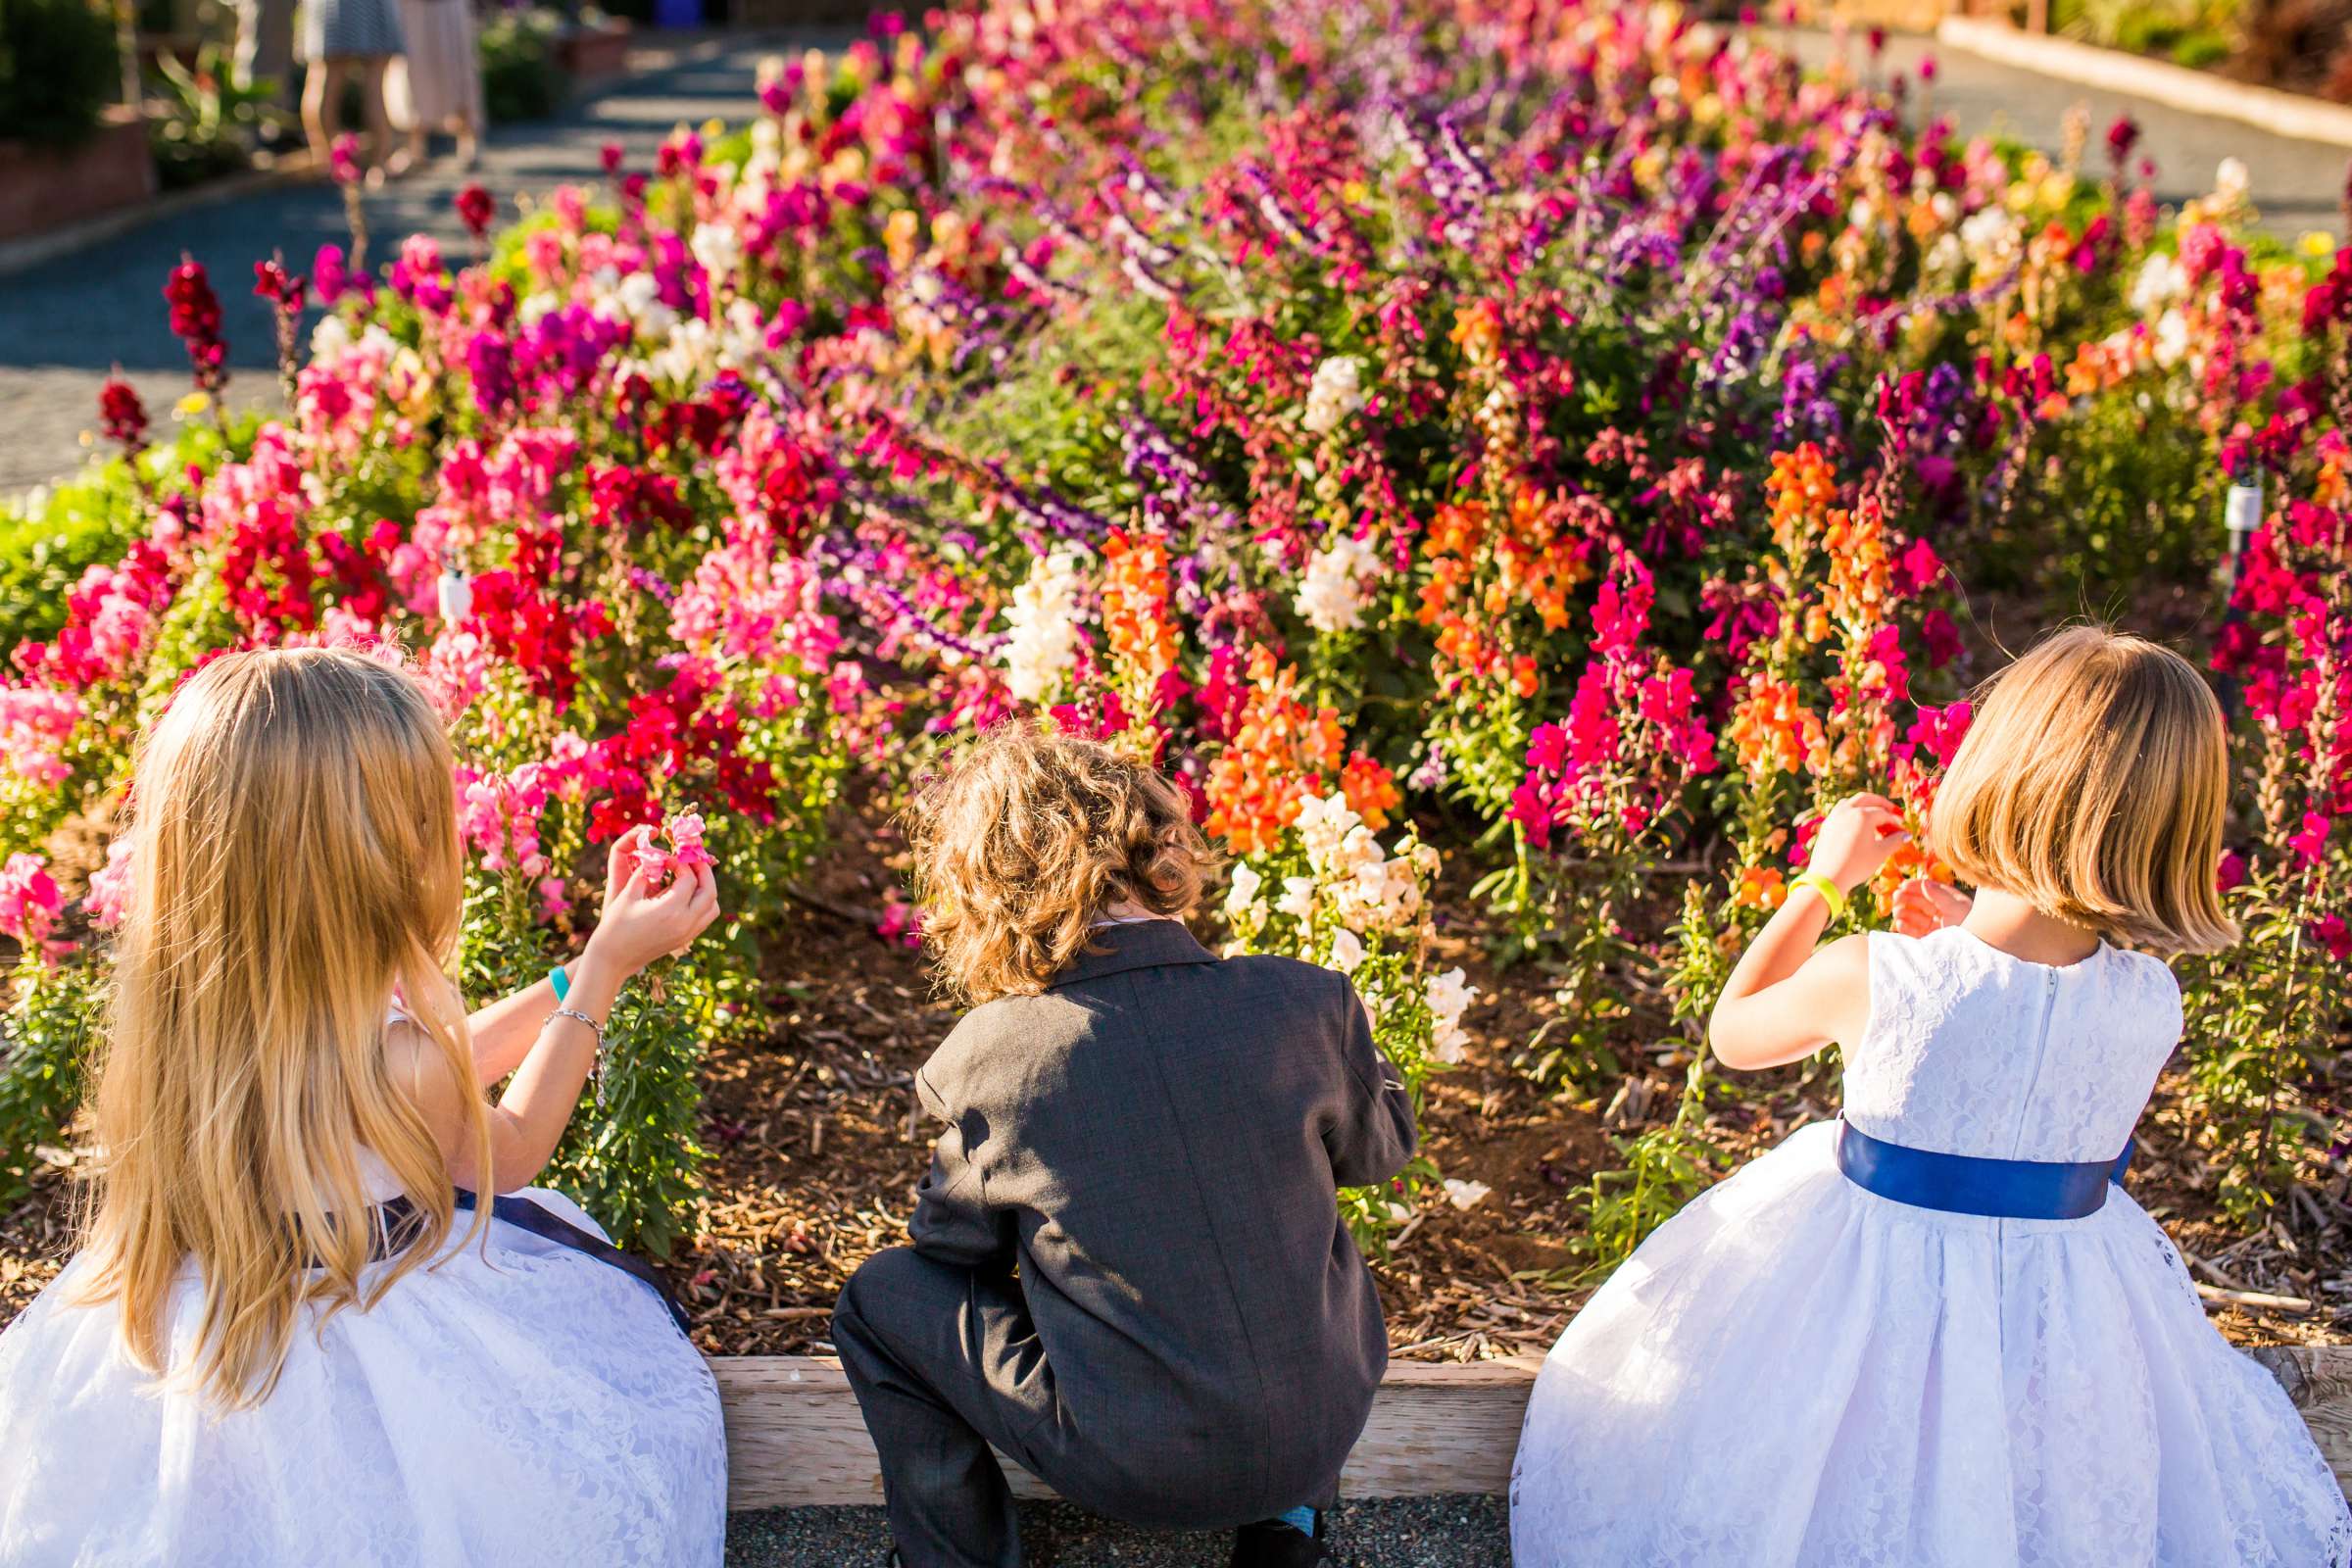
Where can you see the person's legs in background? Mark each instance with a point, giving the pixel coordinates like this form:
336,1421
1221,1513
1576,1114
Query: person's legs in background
322,107
372,106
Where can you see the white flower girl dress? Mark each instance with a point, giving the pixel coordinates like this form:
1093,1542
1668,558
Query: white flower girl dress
1799,1371
511,1407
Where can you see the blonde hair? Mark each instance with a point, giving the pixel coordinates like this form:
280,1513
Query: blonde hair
2093,784
295,860
1028,838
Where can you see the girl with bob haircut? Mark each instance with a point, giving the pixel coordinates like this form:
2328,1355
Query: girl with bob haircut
294,1335
1128,1268
1971,1349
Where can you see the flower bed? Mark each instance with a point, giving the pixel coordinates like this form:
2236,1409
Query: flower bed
1521,460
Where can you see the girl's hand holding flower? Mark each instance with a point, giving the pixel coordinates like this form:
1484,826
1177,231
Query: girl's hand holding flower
1922,904
656,904
1860,832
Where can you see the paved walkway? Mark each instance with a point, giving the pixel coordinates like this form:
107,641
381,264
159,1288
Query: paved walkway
63,324
2298,185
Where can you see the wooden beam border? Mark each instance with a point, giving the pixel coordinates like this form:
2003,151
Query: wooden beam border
795,1436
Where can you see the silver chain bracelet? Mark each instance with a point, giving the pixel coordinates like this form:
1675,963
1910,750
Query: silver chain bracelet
596,1070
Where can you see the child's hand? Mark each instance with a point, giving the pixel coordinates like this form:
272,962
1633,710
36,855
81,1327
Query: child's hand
1860,832
641,924
1922,904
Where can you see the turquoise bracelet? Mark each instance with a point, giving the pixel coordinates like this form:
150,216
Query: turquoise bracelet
561,982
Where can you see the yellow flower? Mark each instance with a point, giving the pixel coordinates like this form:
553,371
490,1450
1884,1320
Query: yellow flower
192,404
2318,245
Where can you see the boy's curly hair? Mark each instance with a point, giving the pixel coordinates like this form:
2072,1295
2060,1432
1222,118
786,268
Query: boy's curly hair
1025,842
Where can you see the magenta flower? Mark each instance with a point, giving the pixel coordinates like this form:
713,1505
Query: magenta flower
109,897
29,901
685,835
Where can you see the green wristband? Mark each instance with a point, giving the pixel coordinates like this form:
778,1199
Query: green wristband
1830,892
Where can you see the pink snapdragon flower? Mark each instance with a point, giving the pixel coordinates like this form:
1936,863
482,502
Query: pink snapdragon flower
685,835
35,726
29,901
109,897
902,921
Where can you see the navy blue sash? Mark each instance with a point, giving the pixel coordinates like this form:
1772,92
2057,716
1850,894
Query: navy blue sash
399,1223
1963,1184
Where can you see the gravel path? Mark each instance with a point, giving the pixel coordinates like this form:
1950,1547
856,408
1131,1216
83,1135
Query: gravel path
1391,1533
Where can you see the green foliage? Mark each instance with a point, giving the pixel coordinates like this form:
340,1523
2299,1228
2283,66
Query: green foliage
2195,32
49,538
520,79
2256,1024
1584,913
208,122
1664,1168
44,1041
2124,493
632,1157
58,68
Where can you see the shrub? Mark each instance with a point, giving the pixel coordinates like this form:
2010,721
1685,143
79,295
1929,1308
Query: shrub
522,79
49,538
58,68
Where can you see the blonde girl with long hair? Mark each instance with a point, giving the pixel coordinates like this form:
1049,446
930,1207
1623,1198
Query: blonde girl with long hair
294,1334
1938,1332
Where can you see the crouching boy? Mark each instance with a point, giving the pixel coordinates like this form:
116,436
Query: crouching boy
1128,1268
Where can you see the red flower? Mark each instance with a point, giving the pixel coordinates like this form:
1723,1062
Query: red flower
196,323
476,210
121,414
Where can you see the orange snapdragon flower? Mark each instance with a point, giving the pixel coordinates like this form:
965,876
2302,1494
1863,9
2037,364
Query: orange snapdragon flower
1772,730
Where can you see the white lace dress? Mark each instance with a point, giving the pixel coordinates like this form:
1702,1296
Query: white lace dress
531,1406
1795,1371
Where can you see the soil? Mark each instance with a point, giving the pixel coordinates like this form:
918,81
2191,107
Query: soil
818,1143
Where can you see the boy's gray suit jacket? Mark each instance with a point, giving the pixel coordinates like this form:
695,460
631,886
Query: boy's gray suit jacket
1156,1142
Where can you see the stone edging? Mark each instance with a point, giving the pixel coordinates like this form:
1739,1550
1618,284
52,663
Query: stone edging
2197,93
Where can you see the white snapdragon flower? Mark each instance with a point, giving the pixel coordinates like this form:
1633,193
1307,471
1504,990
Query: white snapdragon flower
1992,237
1044,621
2233,180
1448,996
690,348
639,296
2160,282
1336,391
1324,823
330,338
1335,586
1297,899
1241,897
717,247
1465,1195
1346,952
2172,338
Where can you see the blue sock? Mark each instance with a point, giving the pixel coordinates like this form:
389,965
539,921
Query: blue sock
1301,1520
